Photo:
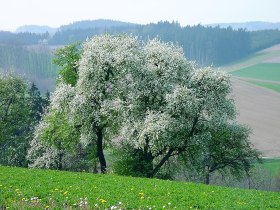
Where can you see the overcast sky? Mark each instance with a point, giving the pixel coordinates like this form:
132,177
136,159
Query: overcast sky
14,13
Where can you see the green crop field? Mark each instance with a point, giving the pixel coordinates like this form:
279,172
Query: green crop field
275,87
254,59
262,71
272,165
45,189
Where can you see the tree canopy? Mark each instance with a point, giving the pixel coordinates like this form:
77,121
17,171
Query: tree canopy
21,108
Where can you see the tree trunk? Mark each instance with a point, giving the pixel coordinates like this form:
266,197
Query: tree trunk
60,156
207,177
100,153
163,160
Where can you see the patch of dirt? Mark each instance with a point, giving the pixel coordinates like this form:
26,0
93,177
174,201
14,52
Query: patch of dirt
271,49
260,109
275,59
256,80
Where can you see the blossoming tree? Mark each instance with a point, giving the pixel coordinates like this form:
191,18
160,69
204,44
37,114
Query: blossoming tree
146,97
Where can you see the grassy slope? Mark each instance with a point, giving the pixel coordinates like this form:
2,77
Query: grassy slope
261,68
272,165
55,189
263,71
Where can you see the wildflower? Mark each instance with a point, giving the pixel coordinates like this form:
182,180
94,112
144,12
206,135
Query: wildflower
46,207
169,203
103,201
141,194
65,193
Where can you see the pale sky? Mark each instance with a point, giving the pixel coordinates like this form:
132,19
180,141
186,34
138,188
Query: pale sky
15,13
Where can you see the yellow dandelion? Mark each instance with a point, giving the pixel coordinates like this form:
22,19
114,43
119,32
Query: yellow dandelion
103,201
46,207
65,193
141,194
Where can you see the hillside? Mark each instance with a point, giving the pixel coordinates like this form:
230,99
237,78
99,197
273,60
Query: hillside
206,45
36,29
99,23
33,62
256,90
250,26
46,189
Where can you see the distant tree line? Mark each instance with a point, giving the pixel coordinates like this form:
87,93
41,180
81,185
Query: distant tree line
34,64
207,45
25,38
17,57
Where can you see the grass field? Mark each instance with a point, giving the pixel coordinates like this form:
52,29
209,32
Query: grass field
45,189
275,87
272,165
262,71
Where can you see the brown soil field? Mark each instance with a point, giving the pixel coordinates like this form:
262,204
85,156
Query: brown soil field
271,49
256,80
259,108
275,59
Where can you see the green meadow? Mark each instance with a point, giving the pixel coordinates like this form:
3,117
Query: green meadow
272,166
261,71
48,189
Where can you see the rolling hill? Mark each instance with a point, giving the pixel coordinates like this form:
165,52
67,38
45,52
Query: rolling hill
36,29
256,90
99,23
